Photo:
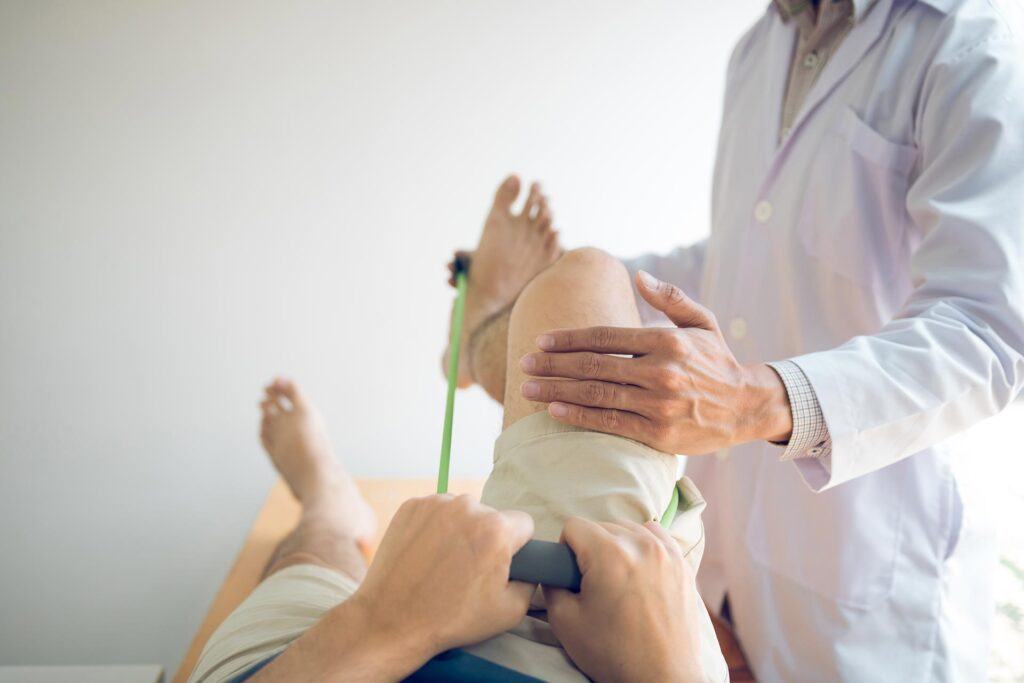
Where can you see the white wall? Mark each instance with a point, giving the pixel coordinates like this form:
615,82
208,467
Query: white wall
197,195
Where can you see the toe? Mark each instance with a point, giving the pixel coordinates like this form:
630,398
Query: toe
270,408
290,390
544,220
544,217
532,202
506,194
551,240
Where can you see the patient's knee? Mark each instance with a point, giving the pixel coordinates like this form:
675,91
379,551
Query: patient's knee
584,274
591,259
295,558
587,267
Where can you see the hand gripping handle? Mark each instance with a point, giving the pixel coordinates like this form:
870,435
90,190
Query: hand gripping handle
546,563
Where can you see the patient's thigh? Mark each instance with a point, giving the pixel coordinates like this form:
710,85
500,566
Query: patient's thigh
584,288
553,472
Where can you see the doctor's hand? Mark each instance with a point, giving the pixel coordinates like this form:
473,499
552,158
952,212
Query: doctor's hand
682,391
635,617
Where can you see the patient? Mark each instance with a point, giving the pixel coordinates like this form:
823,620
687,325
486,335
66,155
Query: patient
560,476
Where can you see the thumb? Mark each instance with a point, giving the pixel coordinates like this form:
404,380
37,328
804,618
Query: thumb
670,300
563,609
520,528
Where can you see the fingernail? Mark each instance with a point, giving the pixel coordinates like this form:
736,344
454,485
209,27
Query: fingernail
558,409
545,341
531,389
650,282
527,364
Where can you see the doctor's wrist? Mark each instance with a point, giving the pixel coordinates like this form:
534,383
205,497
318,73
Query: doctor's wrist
771,418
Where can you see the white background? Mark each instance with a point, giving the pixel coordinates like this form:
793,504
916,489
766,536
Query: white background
197,195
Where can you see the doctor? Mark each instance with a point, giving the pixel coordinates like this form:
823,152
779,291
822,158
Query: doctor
864,272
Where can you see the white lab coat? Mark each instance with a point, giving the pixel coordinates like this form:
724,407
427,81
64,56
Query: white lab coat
881,247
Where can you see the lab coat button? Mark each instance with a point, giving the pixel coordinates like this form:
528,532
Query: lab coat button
738,328
811,60
814,451
763,211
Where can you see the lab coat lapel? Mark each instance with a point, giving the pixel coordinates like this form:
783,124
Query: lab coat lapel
780,48
857,42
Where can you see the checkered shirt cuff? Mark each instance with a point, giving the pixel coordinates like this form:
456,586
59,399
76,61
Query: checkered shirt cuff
810,438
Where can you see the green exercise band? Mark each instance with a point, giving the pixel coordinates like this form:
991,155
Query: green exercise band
669,515
453,374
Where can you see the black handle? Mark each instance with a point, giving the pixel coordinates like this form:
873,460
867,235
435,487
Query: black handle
461,264
546,563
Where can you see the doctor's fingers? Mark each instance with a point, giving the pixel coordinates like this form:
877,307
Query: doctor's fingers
607,420
595,394
605,339
587,365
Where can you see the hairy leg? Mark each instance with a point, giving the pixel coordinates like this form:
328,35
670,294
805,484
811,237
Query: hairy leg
489,353
585,288
513,248
317,539
335,519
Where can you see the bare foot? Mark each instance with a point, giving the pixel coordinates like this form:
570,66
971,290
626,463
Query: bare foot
513,249
295,438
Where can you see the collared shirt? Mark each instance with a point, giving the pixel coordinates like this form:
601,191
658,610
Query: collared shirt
821,27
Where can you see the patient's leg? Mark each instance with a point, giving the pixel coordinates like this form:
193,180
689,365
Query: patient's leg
585,288
513,248
335,517
488,353
317,566
553,471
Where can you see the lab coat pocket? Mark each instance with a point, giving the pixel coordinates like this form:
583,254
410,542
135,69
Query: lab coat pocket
853,219
841,544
